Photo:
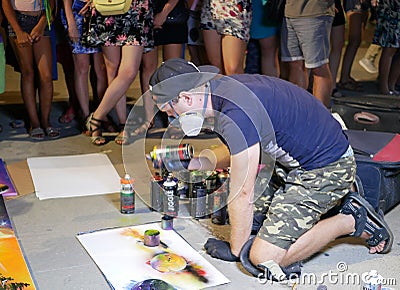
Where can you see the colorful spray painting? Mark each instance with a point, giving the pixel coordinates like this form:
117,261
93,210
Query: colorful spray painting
6,186
127,263
14,273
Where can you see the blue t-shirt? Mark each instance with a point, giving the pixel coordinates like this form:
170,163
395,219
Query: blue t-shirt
290,123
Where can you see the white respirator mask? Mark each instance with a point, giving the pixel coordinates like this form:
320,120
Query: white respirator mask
192,122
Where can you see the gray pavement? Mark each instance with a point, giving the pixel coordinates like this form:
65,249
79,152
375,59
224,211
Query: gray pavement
46,229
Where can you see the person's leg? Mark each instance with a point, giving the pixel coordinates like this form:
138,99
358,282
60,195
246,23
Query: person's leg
100,74
384,69
82,64
394,74
212,42
355,20
269,56
24,55
322,87
295,209
233,53
147,68
337,42
115,94
172,51
298,73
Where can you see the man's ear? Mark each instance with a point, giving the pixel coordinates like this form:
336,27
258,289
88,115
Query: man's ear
186,97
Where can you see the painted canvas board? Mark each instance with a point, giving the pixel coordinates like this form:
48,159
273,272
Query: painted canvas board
73,175
13,269
6,186
126,262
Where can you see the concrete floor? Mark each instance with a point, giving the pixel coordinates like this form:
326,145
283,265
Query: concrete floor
47,229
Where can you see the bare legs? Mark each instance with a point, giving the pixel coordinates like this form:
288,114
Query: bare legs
39,53
269,56
122,66
225,52
355,20
389,70
337,42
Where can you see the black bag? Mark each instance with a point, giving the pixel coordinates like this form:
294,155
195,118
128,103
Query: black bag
380,179
275,10
179,15
374,113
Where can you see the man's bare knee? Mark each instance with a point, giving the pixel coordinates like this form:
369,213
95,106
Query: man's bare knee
262,251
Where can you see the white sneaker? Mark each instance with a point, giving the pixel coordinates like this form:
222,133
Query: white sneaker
368,65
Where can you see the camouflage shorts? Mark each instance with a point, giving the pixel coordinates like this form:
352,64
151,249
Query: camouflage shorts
295,208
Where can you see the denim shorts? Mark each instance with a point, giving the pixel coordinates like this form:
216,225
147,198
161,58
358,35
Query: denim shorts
27,23
306,39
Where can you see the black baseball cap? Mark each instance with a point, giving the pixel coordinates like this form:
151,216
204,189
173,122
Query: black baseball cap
177,75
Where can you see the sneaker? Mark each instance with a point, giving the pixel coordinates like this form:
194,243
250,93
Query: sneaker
368,65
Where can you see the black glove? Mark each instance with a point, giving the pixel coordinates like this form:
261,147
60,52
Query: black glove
220,250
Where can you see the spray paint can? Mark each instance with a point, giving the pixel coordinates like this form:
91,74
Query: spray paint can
198,201
172,152
156,193
127,195
195,177
170,197
372,280
211,186
219,213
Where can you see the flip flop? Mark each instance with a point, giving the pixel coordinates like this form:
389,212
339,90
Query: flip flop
36,134
375,226
52,132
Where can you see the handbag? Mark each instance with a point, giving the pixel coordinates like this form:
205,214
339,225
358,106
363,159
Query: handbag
112,7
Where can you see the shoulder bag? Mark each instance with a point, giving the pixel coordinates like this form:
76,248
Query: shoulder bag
112,7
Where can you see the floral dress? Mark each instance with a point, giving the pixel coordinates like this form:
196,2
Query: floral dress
230,17
132,28
387,32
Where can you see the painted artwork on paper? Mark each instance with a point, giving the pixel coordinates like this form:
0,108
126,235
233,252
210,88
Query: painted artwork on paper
127,263
14,273
6,186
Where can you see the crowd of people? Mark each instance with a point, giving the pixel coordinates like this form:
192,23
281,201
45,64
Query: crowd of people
108,52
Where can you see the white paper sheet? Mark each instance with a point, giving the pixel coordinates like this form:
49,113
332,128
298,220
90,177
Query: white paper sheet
73,175
125,261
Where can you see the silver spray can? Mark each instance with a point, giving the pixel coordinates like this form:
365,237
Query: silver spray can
371,280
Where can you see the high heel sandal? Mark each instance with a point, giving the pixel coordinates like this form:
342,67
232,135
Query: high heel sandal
96,123
121,138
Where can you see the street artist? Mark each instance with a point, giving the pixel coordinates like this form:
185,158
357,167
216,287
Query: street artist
256,115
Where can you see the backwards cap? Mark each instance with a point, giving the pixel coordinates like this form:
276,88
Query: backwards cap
177,75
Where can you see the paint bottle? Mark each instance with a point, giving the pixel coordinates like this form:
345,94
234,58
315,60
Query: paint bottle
371,280
171,153
170,197
219,213
127,196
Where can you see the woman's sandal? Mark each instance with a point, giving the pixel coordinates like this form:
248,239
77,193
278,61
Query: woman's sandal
92,122
122,138
367,220
52,132
142,129
36,134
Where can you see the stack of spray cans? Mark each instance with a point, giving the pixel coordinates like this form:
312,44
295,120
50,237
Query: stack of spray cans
207,191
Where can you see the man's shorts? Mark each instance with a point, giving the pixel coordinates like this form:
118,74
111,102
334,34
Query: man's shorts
227,17
307,195
306,39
